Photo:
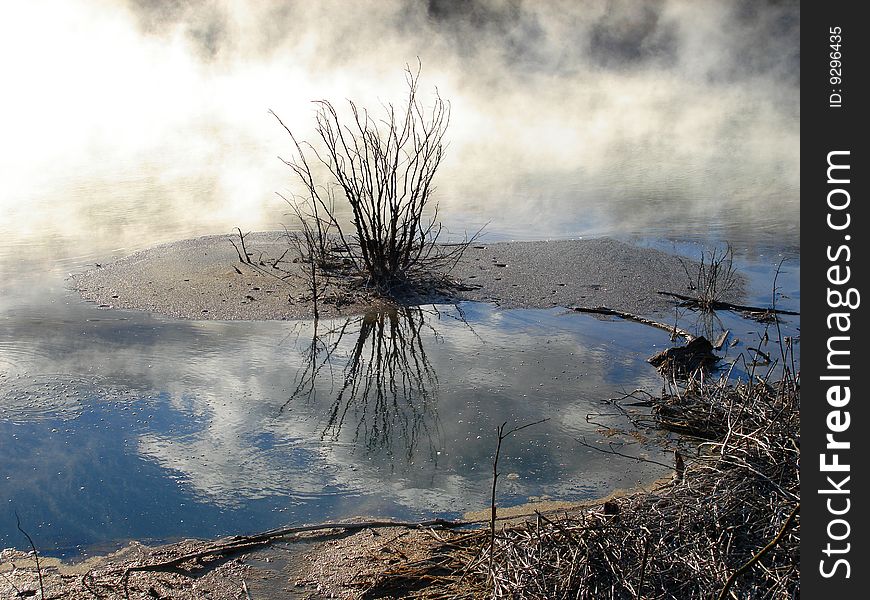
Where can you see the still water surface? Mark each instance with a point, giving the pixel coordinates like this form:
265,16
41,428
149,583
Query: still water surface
120,425
123,425
136,426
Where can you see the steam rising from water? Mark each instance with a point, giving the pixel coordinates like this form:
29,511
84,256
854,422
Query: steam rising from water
127,123
140,121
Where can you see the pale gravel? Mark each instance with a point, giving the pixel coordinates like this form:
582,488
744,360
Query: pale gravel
203,278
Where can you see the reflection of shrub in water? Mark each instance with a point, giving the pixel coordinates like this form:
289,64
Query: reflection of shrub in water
387,384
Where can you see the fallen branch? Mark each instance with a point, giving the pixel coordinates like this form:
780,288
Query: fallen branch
603,310
721,305
250,542
761,553
643,567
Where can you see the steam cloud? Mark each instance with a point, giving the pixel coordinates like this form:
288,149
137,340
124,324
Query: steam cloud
567,117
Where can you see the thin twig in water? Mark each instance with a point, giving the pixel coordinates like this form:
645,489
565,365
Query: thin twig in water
611,450
502,434
722,305
35,553
603,310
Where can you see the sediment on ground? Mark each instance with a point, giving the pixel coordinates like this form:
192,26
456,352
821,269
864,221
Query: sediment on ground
203,278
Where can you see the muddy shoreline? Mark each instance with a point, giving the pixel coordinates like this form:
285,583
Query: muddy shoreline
204,279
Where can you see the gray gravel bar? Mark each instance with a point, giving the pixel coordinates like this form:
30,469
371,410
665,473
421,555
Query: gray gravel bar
203,278
590,273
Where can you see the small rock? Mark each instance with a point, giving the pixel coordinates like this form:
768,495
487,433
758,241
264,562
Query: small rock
683,360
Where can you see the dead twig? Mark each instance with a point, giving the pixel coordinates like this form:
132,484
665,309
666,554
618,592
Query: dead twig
502,435
35,554
748,565
244,256
722,305
614,452
251,542
603,310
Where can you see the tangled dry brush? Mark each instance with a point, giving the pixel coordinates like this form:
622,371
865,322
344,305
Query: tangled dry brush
726,526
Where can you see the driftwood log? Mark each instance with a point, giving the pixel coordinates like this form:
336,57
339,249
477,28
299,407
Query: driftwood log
603,310
247,543
752,311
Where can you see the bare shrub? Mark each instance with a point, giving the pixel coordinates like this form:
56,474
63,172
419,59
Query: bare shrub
715,276
383,168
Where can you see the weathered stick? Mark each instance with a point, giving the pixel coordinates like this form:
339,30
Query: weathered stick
603,310
720,341
263,539
761,553
718,304
643,567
